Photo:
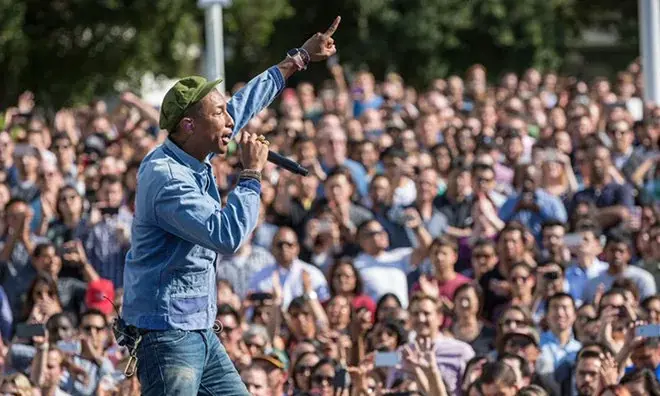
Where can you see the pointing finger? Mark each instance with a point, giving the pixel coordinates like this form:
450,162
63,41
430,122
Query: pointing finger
333,28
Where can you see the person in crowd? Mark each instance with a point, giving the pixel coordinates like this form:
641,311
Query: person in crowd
512,249
443,254
452,355
255,379
532,206
499,378
275,368
558,344
302,371
290,269
516,219
613,200
467,325
239,268
618,253
586,248
108,239
386,271
18,244
70,222
483,260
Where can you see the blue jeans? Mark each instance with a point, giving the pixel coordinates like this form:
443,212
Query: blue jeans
179,362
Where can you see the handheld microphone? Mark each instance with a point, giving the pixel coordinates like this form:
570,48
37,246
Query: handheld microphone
288,164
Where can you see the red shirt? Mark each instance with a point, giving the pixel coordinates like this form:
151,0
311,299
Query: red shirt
448,289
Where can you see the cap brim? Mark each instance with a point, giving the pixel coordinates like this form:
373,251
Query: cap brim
525,335
269,359
204,90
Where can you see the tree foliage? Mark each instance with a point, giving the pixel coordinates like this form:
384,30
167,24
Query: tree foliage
69,50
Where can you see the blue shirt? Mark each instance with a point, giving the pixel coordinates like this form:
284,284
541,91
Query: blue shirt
550,208
552,351
578,277
360,106
179,225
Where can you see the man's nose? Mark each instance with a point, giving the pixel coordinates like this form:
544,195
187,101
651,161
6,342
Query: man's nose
230,121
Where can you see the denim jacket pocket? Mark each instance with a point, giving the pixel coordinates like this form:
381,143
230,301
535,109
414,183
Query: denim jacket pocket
189,294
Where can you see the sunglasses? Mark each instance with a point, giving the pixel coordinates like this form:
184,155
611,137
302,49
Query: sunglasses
281,244
227,330
254,344
510,322
320,379
302,369
371,233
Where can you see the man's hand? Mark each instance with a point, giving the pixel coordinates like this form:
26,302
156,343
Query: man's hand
254,151
321,46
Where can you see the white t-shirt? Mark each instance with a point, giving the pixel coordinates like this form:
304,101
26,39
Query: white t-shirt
387,273
290,281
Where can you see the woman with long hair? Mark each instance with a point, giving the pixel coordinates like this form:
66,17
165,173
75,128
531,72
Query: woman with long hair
70,222
322,377
42,300
557,175
467,325
302,371
387,306
345,280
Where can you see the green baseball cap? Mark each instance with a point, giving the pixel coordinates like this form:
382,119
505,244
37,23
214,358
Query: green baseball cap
185,93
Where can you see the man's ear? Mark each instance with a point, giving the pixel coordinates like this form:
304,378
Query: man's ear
187,125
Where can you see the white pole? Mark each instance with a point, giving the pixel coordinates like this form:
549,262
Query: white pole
649,35
215,54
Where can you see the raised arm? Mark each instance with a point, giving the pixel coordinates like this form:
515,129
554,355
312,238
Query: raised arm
264,88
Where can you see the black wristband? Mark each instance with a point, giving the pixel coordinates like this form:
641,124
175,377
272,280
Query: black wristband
305,56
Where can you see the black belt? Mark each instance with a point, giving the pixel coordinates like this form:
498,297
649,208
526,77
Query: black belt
143,331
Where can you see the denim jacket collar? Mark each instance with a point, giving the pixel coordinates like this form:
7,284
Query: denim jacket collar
185,158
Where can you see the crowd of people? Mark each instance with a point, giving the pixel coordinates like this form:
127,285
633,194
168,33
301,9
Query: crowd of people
478,237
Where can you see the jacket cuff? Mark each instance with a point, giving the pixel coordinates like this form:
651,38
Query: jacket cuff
250,184
275,72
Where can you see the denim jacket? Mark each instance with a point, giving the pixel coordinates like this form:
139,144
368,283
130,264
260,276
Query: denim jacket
179,225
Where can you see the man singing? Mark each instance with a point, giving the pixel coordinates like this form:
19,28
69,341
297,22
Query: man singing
179,225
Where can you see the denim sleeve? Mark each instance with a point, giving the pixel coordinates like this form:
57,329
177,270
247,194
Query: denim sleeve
181,209
6,318
507,211
255,96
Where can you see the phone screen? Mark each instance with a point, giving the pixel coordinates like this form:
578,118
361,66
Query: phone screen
342,379
25,330
647,331
386,359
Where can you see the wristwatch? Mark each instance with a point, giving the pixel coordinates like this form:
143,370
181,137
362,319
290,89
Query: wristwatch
300,57
311,296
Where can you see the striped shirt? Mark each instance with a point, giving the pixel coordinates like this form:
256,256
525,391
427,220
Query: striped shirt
239,269
105,248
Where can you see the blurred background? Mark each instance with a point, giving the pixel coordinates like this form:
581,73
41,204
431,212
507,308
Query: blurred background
69,51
